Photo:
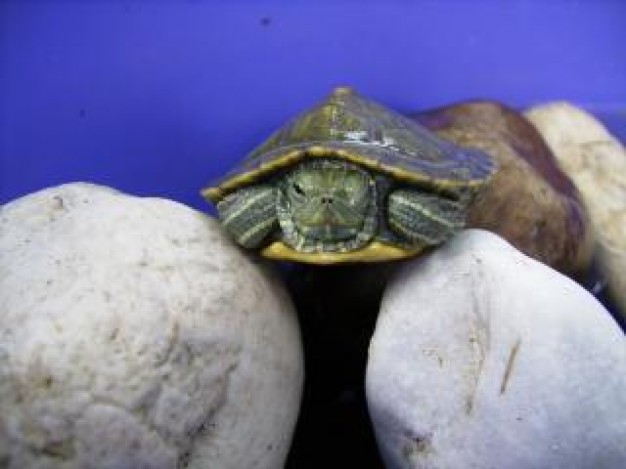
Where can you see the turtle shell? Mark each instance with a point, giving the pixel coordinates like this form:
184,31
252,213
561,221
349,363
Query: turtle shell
348,127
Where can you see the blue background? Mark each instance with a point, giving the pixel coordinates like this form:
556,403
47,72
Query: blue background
157,98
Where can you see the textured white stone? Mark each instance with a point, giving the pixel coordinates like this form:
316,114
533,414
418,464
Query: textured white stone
485,358
596,163
133,334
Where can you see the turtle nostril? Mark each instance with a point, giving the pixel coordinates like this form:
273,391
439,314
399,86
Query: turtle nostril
327,200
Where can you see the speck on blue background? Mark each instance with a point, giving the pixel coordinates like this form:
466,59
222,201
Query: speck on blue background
157,98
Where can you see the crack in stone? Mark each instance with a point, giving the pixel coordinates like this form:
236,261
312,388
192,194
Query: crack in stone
509,366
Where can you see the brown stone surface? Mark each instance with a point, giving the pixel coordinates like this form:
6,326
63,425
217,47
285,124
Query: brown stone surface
529,201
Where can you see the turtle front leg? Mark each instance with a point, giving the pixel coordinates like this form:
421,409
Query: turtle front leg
421,217
249,215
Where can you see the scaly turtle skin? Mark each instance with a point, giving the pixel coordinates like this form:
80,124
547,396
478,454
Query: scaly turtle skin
349,181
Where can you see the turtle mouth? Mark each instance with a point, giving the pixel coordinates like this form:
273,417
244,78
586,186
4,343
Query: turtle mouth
329,232
326,237
329,221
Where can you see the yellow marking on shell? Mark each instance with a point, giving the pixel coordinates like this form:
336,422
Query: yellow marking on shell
266,168
373,252
217,193
343,91
318,151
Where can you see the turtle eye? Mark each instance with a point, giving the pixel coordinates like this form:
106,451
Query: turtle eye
298,189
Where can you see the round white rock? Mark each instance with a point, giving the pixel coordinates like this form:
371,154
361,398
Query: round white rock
485,358
133,334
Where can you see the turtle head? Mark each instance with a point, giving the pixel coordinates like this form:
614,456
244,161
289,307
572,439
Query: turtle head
325,202
326,205
317,206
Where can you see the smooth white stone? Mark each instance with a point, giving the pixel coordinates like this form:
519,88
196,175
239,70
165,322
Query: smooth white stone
134,334
596,163
485,358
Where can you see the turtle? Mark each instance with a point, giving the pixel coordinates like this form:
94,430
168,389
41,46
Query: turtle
349,180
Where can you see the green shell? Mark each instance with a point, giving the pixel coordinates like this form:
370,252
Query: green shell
349,127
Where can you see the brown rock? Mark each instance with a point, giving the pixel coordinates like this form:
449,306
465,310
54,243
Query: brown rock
529,201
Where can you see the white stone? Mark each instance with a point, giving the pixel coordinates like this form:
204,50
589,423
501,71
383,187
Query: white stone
485,358
596,163
133,334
